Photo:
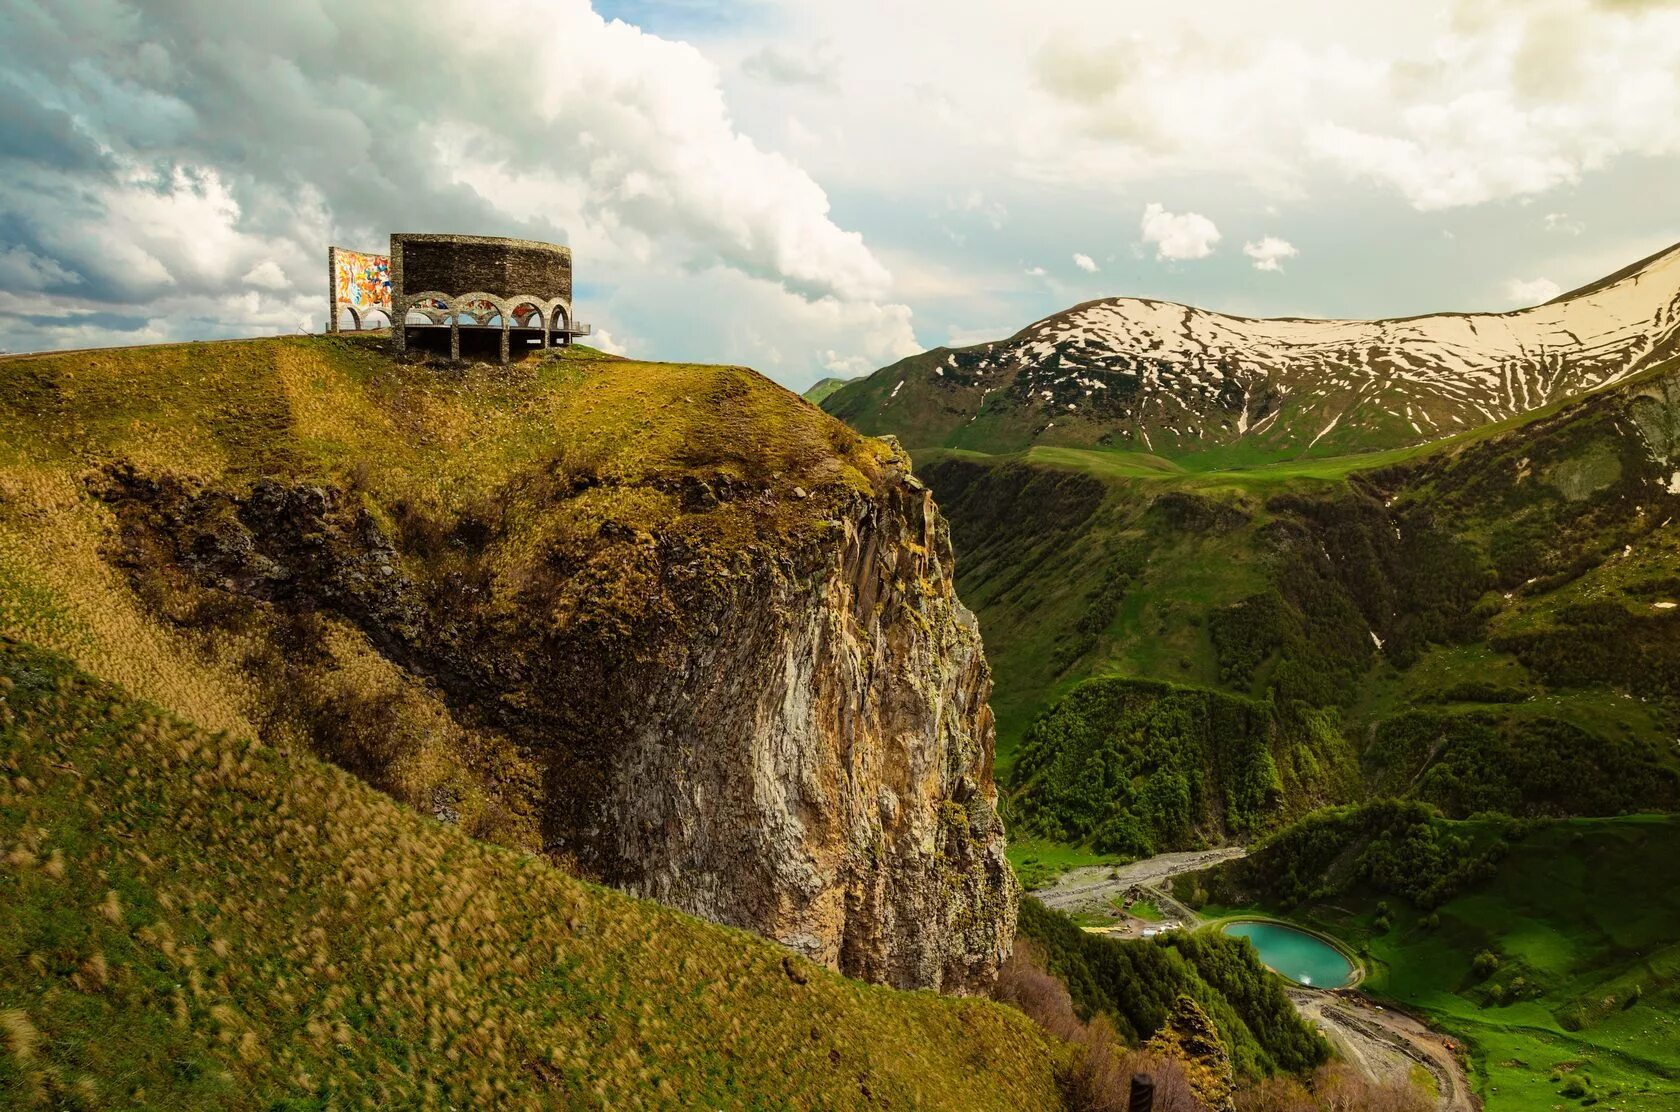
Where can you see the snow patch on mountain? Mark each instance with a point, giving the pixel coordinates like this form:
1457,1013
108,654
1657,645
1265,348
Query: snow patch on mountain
1143,367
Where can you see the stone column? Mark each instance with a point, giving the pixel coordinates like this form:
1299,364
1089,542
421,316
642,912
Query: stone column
399,303
332,289
505,323
454,337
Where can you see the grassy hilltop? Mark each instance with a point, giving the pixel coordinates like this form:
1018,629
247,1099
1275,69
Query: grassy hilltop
549,449
519,506
277,930
823,388
195,920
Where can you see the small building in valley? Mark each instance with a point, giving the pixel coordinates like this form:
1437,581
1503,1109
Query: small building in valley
470,295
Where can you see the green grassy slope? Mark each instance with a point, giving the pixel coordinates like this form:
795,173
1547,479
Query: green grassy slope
522,502
823,388
1556,959
1489,622
193,920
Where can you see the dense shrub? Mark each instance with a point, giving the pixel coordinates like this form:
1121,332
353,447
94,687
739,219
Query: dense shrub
1603,642
1338,1087
1247,633
1523,765
1101,606
1098,1074
1135,984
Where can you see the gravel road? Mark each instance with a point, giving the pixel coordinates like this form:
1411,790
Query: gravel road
1092,887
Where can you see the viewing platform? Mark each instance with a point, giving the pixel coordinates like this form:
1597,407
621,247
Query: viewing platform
467,296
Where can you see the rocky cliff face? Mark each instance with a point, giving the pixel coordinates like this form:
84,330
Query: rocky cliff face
816,763
750,694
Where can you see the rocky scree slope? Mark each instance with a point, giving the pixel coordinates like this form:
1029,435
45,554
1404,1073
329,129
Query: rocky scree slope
665,623
1176,381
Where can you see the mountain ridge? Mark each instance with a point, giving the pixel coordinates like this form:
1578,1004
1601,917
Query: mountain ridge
1143,374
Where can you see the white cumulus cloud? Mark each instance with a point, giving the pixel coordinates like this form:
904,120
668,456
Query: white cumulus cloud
188,164
1561,222
1177,235
1269,252
1524,292
1516,100
267,275
1084,262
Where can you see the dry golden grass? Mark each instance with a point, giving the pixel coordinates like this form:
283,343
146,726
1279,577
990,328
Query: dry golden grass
554,449
231,927
58,591
202,916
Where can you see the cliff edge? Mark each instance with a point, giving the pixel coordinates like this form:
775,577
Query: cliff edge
667,624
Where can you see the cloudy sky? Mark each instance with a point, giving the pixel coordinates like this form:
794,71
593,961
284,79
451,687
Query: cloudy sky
819,188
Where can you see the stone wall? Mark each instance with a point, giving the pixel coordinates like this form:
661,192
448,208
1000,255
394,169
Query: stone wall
443,277
469,264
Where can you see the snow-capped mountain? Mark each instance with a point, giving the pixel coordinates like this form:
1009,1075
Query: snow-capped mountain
1173,380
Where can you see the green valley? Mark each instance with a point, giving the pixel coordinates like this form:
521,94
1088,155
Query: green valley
1546,945
1484,624
1421,677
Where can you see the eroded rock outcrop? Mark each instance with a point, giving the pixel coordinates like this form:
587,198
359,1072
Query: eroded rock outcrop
1191,1038
831,744
762,704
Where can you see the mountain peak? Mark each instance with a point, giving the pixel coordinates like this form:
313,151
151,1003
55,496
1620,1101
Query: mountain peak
1146,375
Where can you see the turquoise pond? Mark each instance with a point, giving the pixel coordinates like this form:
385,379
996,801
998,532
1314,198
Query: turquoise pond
1295,954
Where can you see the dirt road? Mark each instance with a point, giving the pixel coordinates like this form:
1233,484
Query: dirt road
1382,1044
1387,1044
1092,887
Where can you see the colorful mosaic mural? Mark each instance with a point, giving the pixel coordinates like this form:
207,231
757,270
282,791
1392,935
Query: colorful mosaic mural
361,281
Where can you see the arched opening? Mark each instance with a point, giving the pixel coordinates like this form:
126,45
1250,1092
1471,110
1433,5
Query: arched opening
558,333
525,329
480,312
342,311
426,326
478,332
375,317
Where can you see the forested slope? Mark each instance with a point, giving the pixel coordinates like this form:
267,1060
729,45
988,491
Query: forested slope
1489,624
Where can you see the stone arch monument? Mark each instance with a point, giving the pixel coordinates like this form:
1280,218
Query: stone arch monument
511,293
